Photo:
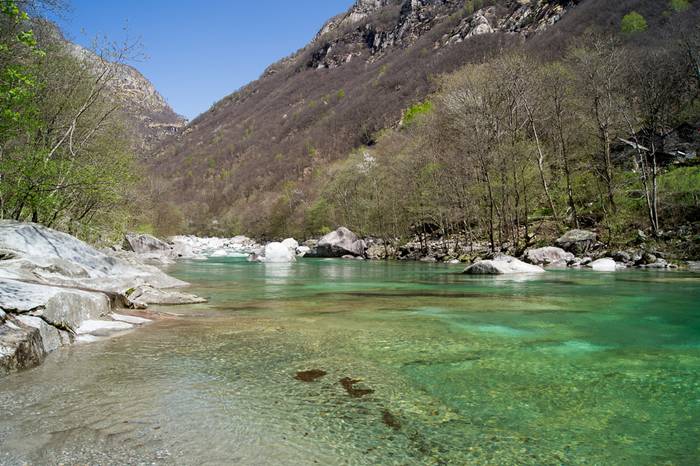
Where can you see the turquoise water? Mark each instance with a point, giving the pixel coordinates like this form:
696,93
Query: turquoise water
412,364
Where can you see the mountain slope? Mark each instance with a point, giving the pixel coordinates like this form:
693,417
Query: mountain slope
258,158
148,116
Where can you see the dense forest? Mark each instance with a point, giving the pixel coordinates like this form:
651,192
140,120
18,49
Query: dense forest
519,147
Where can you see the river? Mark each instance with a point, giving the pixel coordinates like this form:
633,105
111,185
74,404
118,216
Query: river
350,362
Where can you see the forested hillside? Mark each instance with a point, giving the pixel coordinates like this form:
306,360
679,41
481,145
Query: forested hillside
488,118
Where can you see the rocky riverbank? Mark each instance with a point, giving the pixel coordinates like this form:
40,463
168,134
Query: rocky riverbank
56,290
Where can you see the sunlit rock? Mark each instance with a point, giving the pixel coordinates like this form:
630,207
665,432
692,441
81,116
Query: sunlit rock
548,256
145,244
339,243
100,328
277,253
578,241
603,265
291,243
502,265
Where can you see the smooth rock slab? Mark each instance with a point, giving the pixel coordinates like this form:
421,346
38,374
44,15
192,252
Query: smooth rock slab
503,265
61,307
50,257
142,296
130,319
101,328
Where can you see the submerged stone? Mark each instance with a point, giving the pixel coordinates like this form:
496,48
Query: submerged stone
310,376
390,420
349,386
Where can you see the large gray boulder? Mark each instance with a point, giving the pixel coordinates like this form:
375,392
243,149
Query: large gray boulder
502,265
145,244
578,241
20,345
339,243
548,256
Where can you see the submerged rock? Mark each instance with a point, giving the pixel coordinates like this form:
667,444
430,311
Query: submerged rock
349,386
502,265
390,420
310,375
143,295
100,328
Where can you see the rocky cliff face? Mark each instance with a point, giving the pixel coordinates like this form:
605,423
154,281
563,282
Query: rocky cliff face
146,112
374,27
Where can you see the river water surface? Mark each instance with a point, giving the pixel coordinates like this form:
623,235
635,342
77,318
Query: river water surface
407,363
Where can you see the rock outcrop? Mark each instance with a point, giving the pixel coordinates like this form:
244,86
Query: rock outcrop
56,290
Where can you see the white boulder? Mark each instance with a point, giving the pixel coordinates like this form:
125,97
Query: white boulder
603,265
502,265
291,243
277,253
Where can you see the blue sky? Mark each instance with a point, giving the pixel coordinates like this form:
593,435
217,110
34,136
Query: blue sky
200,51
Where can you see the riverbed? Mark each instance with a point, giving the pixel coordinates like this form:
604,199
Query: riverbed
352,362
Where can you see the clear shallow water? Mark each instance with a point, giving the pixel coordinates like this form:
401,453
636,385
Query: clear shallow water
566,368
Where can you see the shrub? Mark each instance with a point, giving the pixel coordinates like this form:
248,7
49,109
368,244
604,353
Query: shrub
633,22
679,5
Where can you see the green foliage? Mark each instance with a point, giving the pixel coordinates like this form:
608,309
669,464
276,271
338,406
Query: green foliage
633,23
341,93
416,111
679,5
59,134
317,218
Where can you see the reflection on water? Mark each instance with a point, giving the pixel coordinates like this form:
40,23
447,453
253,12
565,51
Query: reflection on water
346,362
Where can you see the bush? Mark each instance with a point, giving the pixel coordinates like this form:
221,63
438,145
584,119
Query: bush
633,22
679,5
